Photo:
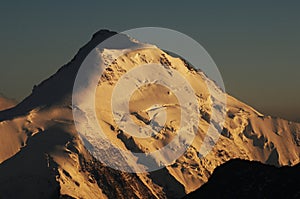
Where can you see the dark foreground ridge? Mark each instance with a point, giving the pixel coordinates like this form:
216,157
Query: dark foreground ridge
245,179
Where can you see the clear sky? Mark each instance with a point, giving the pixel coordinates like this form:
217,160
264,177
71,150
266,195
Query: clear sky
255,44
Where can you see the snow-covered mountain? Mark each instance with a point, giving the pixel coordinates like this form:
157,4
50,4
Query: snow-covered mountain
43,156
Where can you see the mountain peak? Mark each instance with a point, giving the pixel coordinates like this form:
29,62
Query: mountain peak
40,133
103,33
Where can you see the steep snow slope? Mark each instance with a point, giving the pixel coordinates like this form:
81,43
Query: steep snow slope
41,148
246,134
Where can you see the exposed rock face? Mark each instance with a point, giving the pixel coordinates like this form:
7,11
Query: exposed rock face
42,155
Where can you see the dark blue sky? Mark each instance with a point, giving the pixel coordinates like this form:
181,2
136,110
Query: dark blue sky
255,44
